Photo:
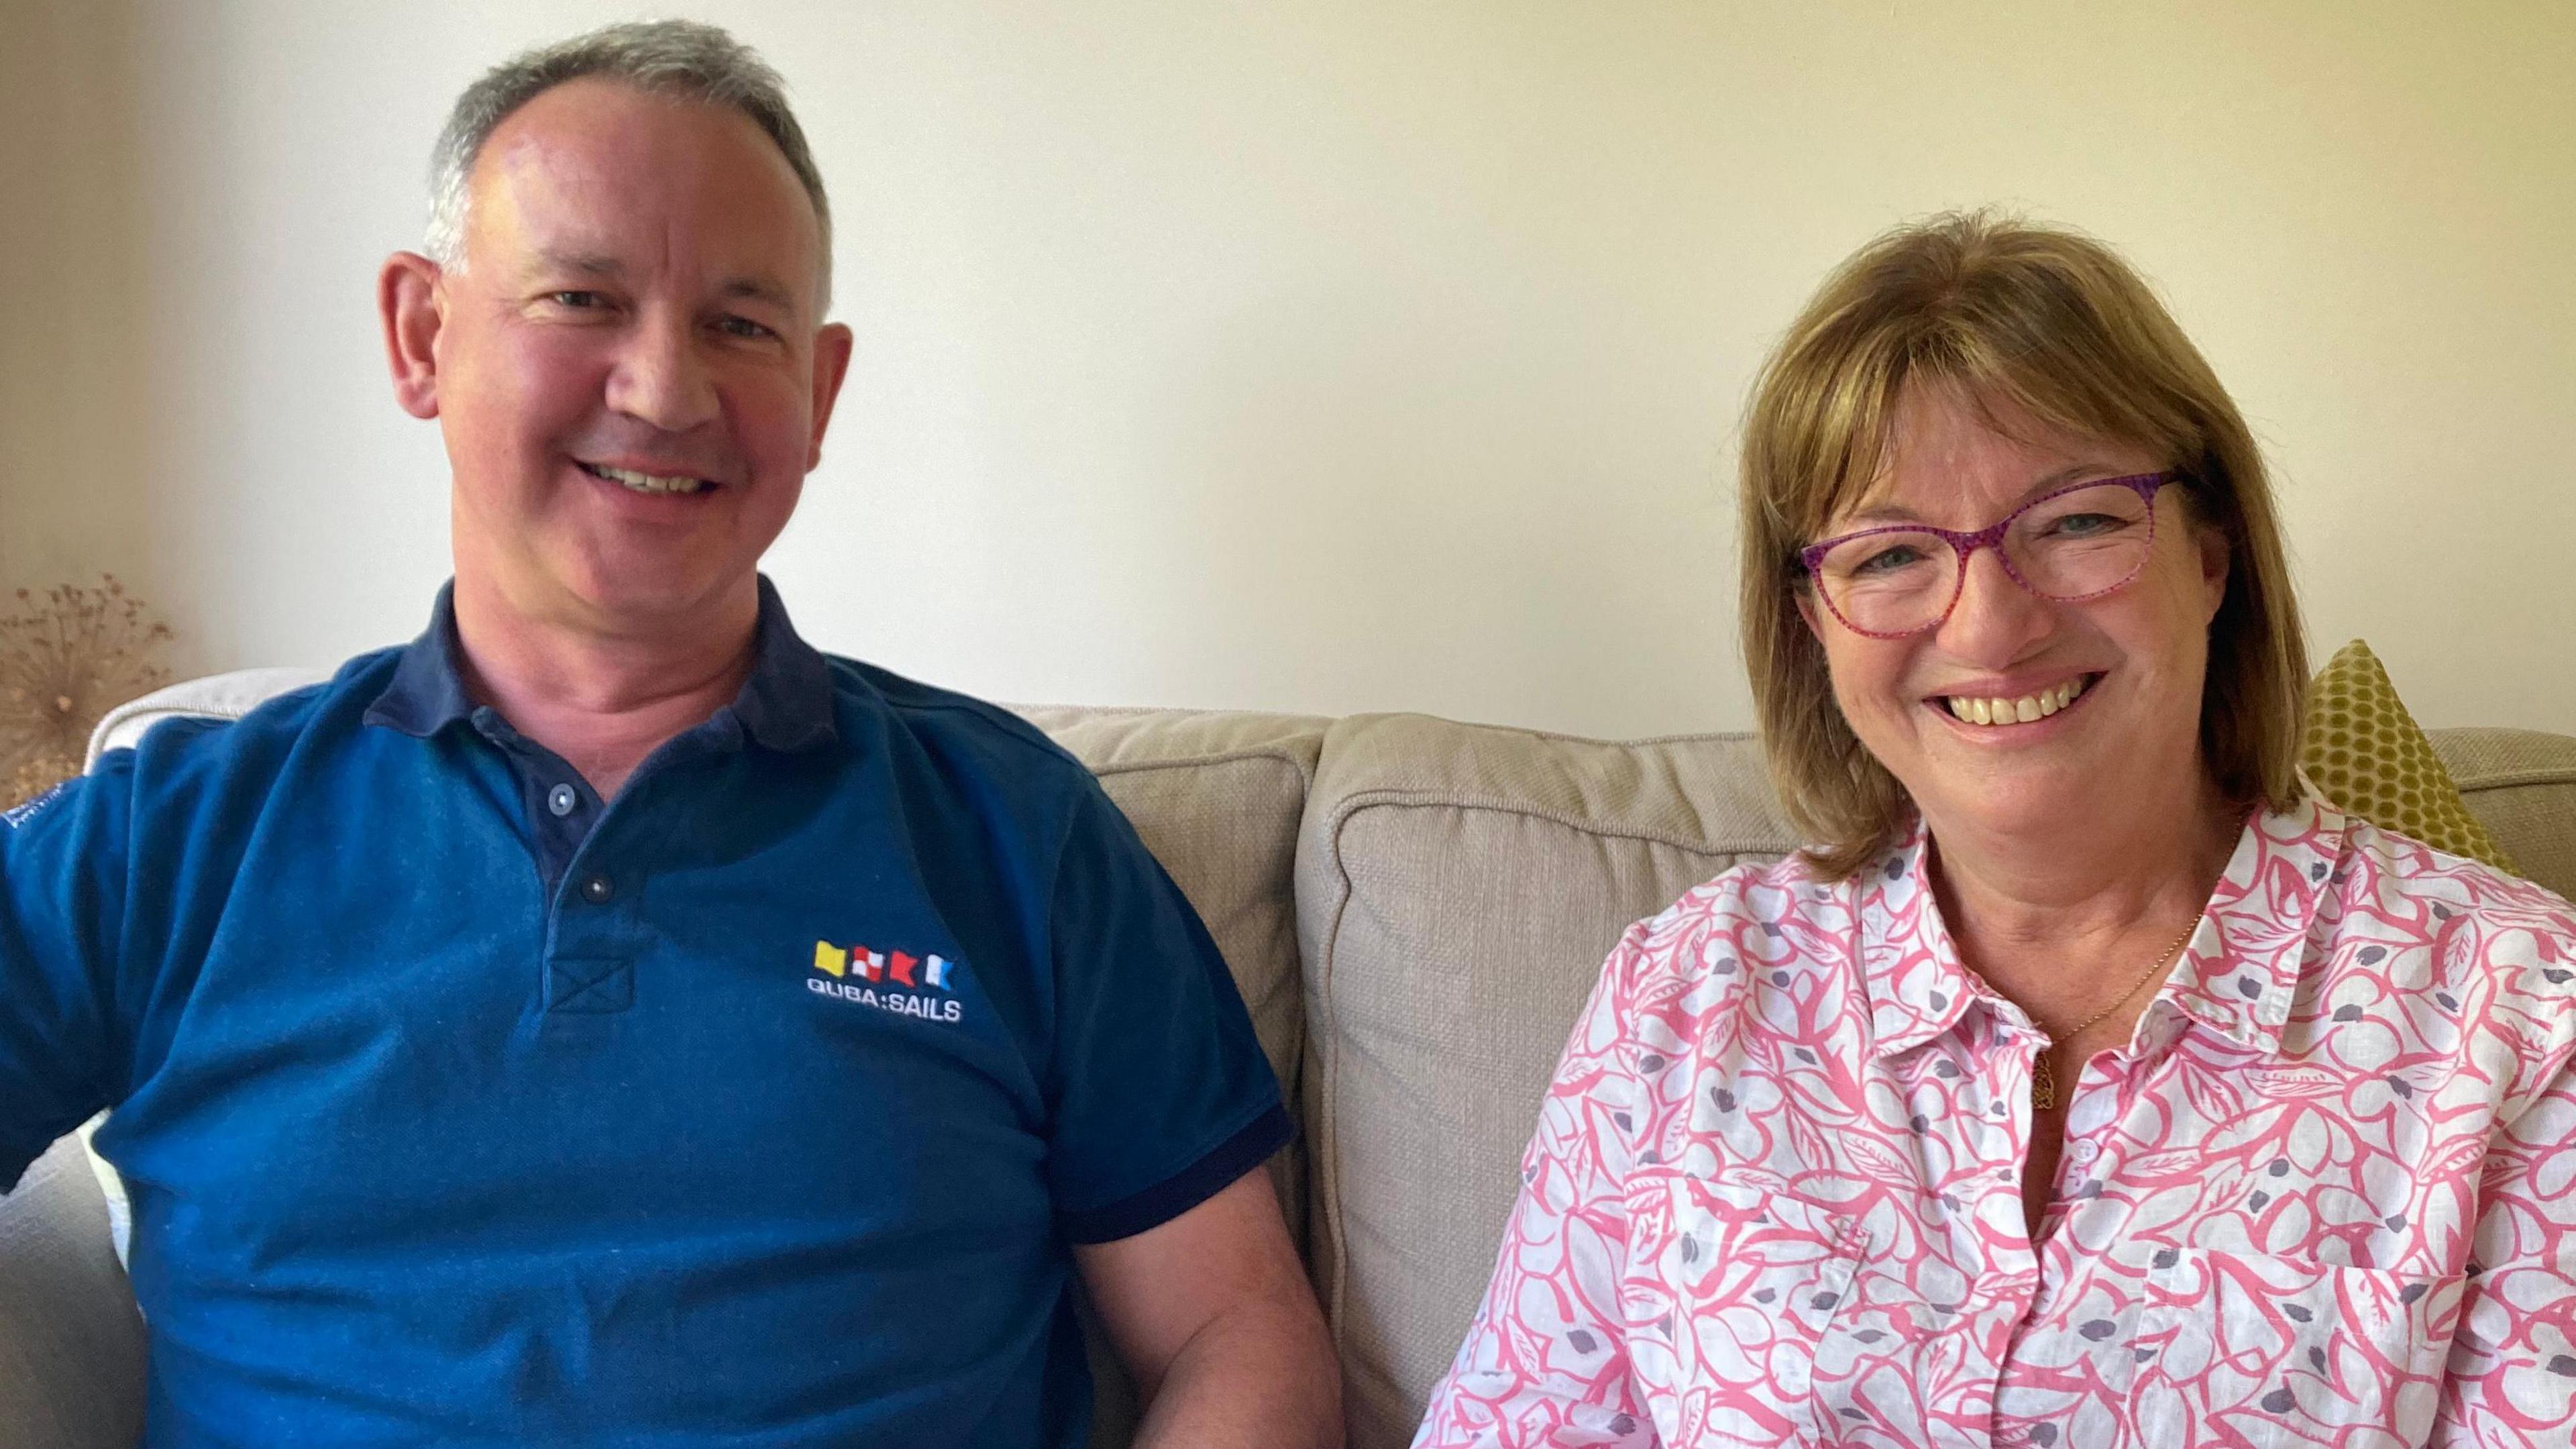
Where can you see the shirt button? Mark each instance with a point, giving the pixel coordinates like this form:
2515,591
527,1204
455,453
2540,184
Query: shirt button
597,890
2082,1151
561,800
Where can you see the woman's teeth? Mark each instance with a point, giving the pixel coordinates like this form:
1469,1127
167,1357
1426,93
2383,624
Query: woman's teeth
2016,711
648,482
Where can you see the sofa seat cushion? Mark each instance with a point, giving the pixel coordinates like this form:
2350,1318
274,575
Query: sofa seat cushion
1458,887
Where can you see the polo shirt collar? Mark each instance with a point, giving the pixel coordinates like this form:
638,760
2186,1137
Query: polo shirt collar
785,704
2237,975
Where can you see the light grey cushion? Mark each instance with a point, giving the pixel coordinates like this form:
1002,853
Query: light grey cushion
1458,887
71,1344
2522,785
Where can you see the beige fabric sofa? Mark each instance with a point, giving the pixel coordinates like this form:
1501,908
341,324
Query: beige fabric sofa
1415,910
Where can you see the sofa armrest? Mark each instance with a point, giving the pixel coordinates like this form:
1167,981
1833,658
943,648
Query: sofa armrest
71,1342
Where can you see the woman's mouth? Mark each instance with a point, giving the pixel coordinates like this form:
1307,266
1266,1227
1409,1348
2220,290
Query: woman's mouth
1987,710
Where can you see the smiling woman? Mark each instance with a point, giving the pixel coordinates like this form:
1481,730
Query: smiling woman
2091,1088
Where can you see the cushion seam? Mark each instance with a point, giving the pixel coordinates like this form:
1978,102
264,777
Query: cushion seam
1305,773
1394,798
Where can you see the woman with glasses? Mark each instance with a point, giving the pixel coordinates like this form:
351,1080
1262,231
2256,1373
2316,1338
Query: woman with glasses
2087,1083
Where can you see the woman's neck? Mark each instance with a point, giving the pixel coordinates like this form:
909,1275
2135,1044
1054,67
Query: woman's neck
2056,925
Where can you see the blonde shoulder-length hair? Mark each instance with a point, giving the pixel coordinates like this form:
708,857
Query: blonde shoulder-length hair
2018,317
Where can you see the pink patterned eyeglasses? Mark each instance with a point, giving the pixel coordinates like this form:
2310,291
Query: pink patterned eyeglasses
2076,543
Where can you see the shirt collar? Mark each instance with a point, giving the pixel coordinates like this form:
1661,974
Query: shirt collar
1909,966
785,703
2240,973
2237,975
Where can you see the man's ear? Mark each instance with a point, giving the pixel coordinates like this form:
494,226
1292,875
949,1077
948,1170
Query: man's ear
832,346
409,303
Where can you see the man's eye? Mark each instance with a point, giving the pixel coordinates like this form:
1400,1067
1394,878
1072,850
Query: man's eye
743,327
581,300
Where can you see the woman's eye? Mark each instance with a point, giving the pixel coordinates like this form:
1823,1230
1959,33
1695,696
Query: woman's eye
2087,525
1889,560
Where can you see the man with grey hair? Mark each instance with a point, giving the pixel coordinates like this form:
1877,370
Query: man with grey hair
607,1019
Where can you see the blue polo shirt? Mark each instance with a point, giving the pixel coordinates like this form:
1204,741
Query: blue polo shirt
756,1106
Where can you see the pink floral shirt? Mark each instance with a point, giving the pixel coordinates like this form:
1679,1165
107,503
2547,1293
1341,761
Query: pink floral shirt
2326,1195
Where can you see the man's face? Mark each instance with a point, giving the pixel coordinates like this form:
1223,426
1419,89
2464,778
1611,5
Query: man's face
629,367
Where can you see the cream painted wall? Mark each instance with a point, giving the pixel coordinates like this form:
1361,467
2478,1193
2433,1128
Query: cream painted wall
1322,356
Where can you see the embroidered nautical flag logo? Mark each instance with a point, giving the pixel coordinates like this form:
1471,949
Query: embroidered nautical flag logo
850,966
892,966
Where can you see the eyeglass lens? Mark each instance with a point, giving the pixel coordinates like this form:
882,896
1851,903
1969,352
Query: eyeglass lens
2072,545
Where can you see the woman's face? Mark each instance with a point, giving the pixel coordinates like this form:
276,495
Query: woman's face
2135,659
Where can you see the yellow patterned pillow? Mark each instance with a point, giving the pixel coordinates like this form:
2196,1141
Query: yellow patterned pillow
2367,756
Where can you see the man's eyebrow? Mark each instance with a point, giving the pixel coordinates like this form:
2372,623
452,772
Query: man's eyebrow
760,289
588,264
1898,513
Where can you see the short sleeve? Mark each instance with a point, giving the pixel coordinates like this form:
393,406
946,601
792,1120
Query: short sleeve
62,875
1159,1092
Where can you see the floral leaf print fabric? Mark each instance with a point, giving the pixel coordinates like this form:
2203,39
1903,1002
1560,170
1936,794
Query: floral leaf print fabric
2326,1194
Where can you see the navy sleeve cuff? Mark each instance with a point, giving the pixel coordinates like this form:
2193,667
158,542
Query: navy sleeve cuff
1185,1189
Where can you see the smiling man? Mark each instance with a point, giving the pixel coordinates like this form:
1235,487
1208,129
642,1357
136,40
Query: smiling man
607,1019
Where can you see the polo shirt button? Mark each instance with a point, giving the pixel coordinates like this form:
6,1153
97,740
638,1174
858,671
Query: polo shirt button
597,890
561,800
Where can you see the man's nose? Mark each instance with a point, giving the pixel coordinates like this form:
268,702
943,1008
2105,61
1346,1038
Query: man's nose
661,379
1996,620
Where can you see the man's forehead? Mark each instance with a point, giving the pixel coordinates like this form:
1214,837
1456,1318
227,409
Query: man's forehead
594,172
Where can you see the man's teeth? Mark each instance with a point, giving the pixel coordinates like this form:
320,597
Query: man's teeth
649,482
2016,711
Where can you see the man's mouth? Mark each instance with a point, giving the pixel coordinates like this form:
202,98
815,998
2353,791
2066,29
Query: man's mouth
1995,711
636,482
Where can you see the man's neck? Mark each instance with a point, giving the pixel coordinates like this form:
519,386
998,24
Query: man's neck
602,700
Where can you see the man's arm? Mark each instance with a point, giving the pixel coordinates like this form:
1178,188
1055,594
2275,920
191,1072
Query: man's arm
1212,1313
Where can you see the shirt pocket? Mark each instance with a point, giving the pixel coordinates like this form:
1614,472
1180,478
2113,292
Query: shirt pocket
2265,1351
1727,1291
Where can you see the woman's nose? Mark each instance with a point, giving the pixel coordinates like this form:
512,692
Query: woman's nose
1995,620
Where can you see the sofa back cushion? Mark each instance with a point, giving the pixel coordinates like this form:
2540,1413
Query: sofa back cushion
2521,784
1458,887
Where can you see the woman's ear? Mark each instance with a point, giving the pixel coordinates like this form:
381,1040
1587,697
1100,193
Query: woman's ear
412,309
2216,557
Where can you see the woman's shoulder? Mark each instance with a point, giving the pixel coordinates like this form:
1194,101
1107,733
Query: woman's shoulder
2397,868
1769,910
2506,942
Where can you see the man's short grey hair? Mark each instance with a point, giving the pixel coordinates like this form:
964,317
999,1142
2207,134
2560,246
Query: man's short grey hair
681,58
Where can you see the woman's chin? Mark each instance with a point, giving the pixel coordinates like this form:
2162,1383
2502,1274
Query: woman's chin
2037,805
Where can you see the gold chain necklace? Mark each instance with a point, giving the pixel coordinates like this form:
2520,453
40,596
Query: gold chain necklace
2043,1081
